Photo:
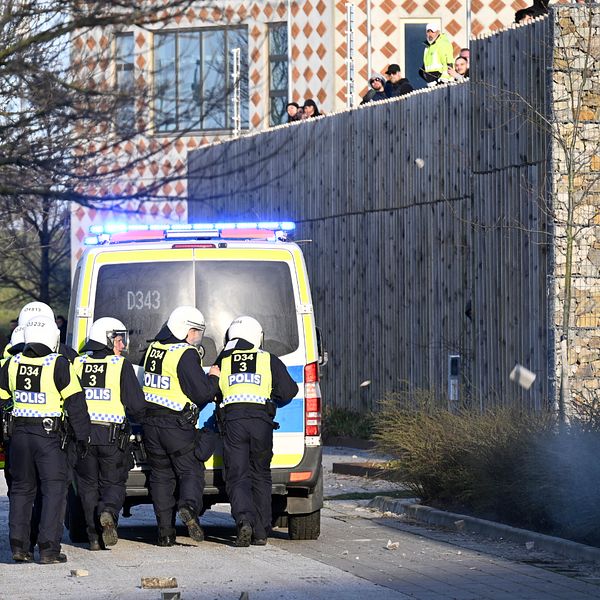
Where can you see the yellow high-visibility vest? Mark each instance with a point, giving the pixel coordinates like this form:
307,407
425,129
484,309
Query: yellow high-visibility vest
101,381
161,384
246,377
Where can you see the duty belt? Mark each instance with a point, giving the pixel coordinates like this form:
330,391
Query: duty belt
48,423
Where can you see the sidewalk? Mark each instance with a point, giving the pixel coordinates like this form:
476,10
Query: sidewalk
350,469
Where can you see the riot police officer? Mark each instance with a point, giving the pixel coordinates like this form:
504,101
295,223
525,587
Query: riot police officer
176,389
111,388
253,384
44,390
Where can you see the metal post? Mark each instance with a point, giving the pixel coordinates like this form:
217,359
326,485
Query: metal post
369,48
236,96
289,49
468,6
349,54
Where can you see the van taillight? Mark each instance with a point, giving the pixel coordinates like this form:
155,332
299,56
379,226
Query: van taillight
312,400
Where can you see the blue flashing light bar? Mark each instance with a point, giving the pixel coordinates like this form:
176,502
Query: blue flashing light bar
101,234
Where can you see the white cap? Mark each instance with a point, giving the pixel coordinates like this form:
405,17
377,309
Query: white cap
432,27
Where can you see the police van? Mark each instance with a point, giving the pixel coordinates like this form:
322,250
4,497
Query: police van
139,274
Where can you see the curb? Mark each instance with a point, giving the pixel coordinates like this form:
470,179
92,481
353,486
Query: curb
490,529
349,442
364,469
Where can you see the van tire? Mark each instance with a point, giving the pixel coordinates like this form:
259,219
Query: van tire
305,527
280,521
75,519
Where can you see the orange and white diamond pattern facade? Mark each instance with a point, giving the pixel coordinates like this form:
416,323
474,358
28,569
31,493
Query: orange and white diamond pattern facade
317,63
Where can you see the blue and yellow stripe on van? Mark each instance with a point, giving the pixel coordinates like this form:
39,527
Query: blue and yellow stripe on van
291,421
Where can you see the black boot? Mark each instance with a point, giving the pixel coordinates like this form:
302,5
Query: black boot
52,558
109,528
166,536
94,542
187,515
244,534
21,556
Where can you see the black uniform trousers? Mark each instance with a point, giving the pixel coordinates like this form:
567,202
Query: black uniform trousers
101,477
175,465
37,460
247,454
37,505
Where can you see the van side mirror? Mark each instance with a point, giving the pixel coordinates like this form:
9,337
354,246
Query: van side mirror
323,354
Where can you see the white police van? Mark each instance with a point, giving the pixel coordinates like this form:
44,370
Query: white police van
139,274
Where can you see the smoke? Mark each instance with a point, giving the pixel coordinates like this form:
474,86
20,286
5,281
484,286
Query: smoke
563,475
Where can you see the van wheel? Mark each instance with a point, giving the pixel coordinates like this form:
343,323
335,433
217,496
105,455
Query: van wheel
75,519
305,527
280,521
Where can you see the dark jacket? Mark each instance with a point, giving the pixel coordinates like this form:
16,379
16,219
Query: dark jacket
398,89
373,96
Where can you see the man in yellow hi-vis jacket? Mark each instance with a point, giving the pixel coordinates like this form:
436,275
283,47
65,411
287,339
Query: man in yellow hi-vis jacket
437,57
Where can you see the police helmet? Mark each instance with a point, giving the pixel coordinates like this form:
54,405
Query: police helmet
246,328
34,309
105,330
42,330
184,318
18,335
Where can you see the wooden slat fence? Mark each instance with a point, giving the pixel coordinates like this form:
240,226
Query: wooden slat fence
409,265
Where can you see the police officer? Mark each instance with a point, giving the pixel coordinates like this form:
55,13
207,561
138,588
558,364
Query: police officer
176,389
253,383
44,390
27,312
111,387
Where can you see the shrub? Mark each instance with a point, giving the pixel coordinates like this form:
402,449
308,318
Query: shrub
468,460
339,422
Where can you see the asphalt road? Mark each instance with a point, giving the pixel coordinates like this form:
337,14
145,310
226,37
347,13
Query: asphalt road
351,559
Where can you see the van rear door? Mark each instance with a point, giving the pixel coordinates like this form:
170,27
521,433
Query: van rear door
141,286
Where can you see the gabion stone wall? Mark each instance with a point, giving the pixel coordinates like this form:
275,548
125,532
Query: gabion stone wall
576,182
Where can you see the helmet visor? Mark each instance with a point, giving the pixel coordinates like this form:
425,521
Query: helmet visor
116,335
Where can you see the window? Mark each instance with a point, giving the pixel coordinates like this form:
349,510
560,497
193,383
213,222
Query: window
278,72
125,102
262,289
192,84
142,295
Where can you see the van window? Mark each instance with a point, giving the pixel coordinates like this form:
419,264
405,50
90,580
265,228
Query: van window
142,295
260,289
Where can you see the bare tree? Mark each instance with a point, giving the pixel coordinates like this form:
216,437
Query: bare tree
64,120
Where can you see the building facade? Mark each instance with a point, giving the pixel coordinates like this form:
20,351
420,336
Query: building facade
289,51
